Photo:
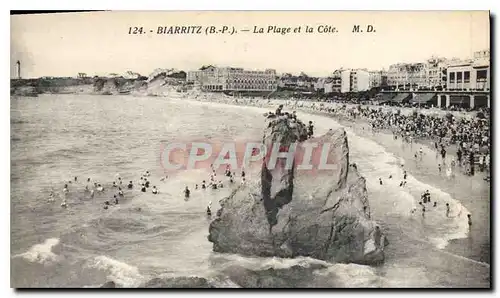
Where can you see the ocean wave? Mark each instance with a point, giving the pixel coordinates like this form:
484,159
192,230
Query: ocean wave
352,276
41,253
381,163
119,272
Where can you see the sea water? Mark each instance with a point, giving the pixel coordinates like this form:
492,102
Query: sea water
57,137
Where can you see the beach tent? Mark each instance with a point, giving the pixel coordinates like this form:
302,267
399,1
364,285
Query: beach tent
401,98
383,97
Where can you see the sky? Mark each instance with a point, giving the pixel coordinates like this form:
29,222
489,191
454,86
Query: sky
98,43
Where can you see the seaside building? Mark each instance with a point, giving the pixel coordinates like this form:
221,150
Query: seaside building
333,84
436,73
407,76
470,75
378,78
214,78
354,80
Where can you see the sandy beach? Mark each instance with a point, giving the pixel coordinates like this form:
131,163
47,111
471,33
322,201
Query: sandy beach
473,192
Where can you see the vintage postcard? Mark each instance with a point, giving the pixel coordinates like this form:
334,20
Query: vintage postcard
250,149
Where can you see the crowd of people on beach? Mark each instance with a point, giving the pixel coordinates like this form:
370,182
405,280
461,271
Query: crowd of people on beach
470,135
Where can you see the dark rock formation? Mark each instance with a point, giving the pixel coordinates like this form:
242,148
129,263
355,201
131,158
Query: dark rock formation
109,284
293,277
294,213
178,282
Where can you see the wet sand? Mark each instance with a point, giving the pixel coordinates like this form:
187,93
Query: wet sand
473,192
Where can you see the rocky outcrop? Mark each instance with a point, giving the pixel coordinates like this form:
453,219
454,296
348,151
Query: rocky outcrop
288,213
178,282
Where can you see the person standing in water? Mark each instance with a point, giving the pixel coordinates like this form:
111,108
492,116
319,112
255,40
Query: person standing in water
209,209
310,129
447,210
187,192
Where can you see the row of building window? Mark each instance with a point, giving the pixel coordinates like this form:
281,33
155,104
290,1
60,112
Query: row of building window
239,87
251,81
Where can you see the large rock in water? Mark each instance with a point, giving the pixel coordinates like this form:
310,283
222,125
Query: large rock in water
290,213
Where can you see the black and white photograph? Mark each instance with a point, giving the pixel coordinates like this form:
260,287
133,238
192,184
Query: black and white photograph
250,149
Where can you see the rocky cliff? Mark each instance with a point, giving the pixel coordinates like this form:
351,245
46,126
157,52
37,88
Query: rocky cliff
288,213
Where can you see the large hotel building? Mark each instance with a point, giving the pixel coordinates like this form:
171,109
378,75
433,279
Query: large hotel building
233,79
470,75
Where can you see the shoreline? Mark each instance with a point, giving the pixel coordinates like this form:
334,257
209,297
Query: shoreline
472,198
454,245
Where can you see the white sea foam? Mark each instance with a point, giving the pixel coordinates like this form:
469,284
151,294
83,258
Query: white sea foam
353,275
375,162
41,253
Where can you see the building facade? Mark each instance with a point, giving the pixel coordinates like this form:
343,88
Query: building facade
469,75
354,80
436,73
407,76
377,78
233,79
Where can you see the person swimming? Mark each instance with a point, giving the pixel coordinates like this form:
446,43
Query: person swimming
220,184
64,204
147,174
435,204
100,188
88,179
187,192
114,184
65,189
154,190
120,192
130,185
92,194
51,197
76,178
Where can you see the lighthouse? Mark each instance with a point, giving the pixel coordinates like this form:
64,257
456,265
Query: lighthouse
18,63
